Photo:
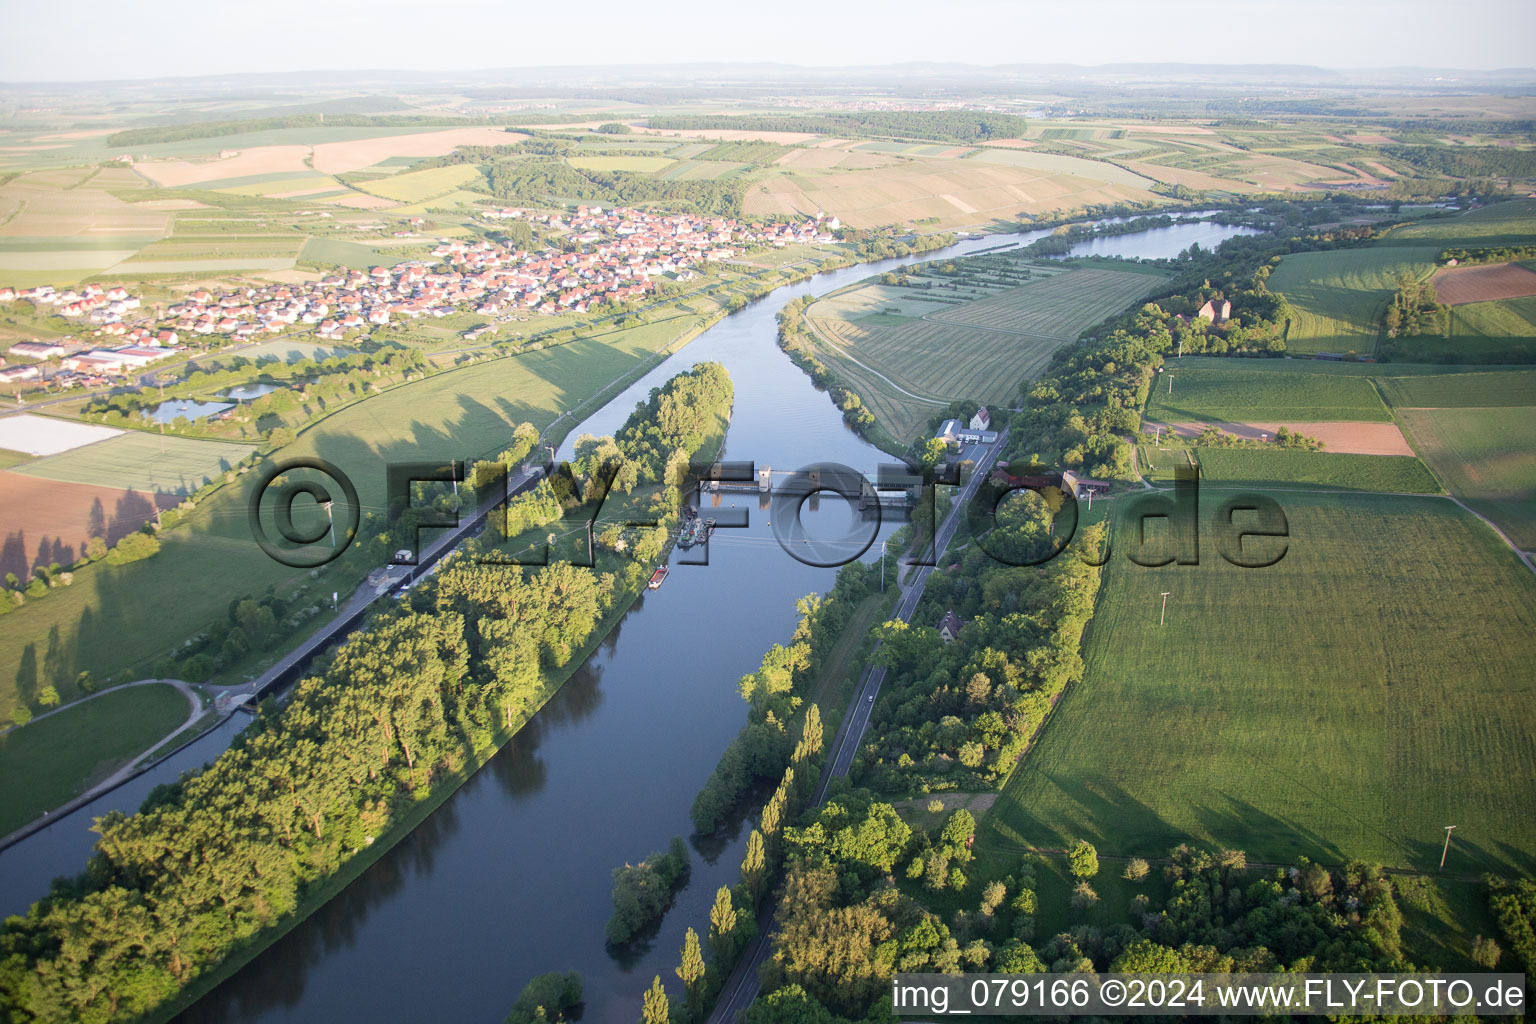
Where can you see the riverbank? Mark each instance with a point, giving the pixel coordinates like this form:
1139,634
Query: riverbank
660,694
438,794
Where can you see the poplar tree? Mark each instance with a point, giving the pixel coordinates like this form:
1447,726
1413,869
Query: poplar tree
691,970
722,921
656,1009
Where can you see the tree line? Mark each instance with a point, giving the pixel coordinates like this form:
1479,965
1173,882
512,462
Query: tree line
935,126
784,739
216,129
850,919
414,701
775,695
1489,254
1416,309
537,180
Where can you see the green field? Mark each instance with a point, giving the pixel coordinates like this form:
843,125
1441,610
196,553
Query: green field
907,350
415,186
698,170
1216,391
284,349
1247,467
131,615
142,461
282,186
218,247
1501,331
1059,306
1349,701
198,266
634,164
1340,296
1511,223
450,201
348,254
1450,390
52,760
1486,456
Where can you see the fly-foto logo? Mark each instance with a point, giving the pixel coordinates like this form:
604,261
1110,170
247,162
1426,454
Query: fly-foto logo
1158,528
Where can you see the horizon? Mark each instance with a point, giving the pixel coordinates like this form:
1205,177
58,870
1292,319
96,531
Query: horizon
616,71
170,42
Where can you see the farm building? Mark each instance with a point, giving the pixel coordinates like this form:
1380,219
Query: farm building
12,374
1216,310
1082,486
956,432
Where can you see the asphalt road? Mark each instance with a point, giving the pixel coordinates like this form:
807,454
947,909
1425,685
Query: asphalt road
742,986
347,616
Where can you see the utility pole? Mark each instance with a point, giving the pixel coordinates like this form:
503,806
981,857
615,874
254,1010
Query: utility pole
327,506
1170,383
1163,617
1447,846
882,567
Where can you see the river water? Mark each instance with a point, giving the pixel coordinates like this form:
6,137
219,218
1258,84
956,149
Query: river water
511,876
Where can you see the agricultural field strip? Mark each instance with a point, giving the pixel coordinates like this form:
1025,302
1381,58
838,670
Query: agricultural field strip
1358,692
947,358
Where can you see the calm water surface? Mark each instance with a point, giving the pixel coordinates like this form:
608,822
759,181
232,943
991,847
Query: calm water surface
511,876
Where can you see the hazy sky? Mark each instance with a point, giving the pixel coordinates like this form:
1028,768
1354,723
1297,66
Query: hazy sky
106,39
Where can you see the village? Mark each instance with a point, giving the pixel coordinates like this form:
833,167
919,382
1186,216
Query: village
619,256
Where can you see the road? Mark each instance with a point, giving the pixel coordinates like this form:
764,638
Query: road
346,620
350,615
741,987
122,774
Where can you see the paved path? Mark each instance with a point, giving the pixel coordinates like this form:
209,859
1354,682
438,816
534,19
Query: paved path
123,774
344,622
742,986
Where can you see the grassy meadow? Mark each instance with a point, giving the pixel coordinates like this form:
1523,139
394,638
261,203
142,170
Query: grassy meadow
1258,468
117,617
48,762
1486,456
143,461
1059,306
415,186
1498,331
907,350
1476,389
1340,297
1228,390
1511,223
1348,701
1476,430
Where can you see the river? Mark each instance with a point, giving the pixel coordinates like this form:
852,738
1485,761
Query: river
511,876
